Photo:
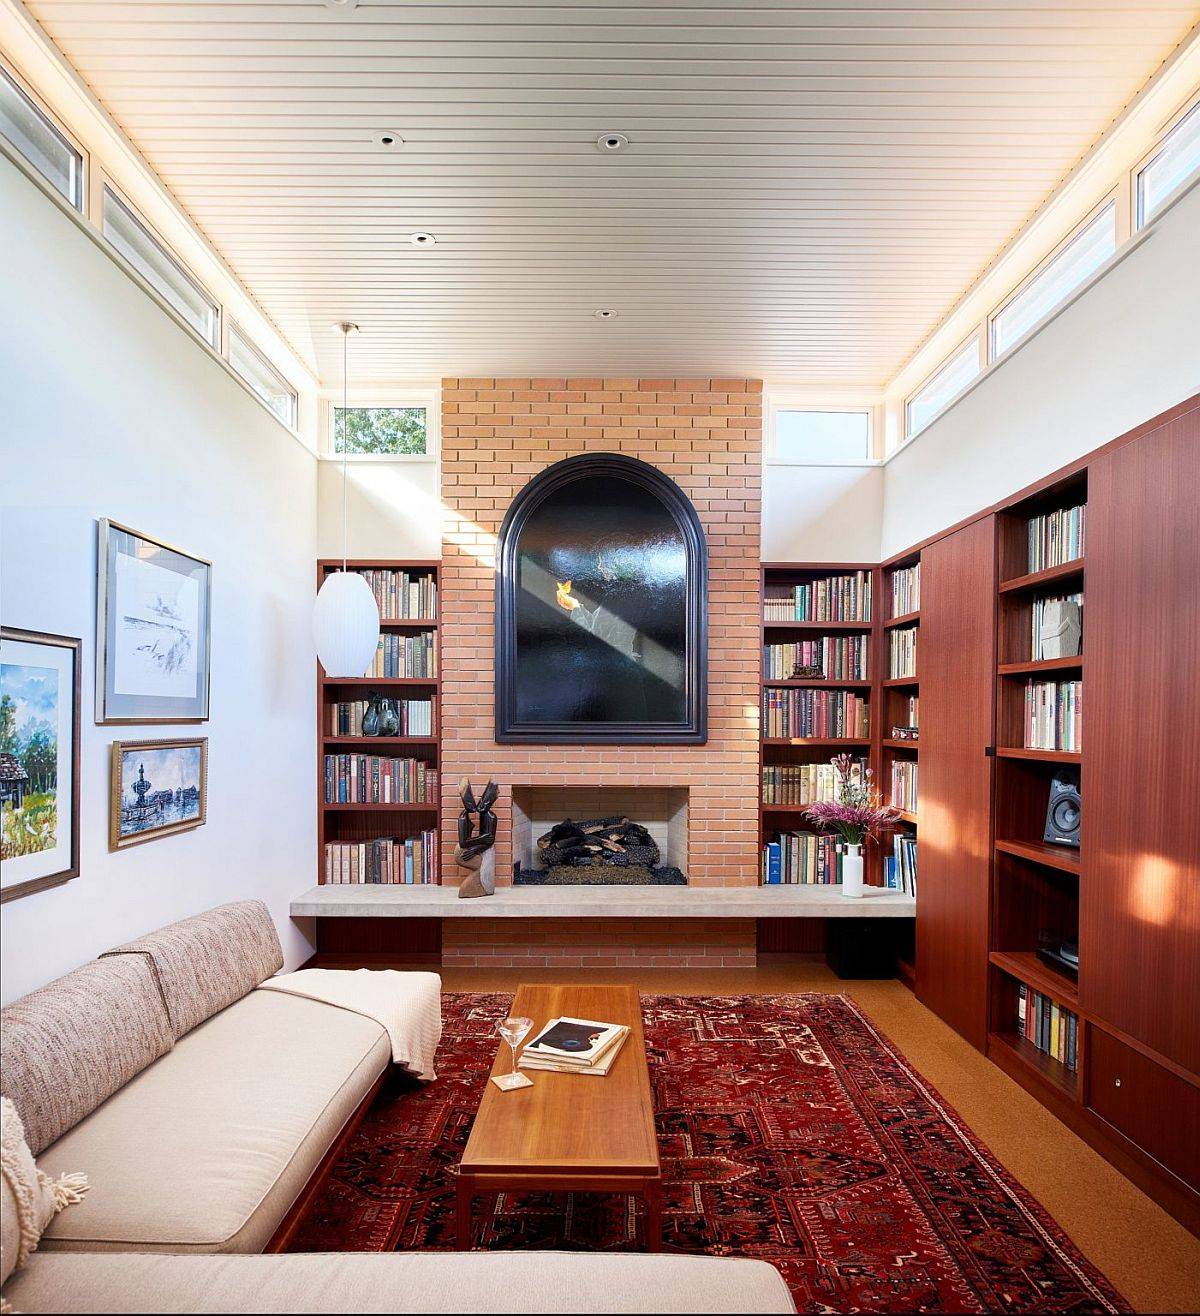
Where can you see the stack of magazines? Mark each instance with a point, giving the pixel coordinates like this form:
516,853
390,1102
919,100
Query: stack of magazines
575,1046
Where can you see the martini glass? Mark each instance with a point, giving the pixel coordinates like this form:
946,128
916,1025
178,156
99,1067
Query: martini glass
514,1029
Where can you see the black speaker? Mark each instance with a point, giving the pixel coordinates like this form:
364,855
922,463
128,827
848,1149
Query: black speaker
1062,813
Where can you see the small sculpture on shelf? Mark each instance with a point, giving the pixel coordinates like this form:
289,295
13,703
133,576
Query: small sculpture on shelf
475,852
389,719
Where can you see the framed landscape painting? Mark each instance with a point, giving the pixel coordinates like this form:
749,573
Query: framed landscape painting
39,761
152,630
159,787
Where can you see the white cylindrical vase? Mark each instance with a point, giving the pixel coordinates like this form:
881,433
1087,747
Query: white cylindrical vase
852,871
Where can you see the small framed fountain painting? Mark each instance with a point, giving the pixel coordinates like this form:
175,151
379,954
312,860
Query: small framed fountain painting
159,787
152,630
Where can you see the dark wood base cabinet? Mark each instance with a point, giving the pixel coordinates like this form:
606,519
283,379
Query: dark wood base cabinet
1119,1060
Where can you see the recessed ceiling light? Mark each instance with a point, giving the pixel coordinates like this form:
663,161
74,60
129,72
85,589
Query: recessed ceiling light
387,140
610,142
422,239
605,313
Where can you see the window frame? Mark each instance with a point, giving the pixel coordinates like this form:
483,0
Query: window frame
1190,106
1112,200
976,336
80,206
784,401
427,396
215,344
230,328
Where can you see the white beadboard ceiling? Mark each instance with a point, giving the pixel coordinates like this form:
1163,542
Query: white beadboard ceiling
808,189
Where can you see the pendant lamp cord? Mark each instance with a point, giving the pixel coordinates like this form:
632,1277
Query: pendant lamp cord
345,436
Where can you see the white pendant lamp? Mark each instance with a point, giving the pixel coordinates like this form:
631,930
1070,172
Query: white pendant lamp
345,615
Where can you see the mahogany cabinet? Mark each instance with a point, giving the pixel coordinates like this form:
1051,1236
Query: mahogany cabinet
1140,902
956,665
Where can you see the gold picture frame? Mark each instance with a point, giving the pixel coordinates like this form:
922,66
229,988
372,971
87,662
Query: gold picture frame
173,798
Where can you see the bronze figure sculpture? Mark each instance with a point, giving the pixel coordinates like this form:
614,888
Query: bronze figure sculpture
476,840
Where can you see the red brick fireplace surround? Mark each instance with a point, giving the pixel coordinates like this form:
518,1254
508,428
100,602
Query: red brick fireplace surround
706,434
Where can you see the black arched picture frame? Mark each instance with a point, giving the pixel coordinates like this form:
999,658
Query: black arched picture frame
602,609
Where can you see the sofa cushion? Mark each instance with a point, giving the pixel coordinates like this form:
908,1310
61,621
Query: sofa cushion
400,1282
206,1150
207,962
67,1046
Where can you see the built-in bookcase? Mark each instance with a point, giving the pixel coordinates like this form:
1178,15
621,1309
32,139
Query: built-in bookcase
1035,884
855,625
359,822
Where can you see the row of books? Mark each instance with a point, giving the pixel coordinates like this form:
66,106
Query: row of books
904,785
414,717
900,867
367,779
906,590
1057,537
836,598
823,714
913,712
575,1046
1057,626
902,652
403,595
385,860
805,783
405,655
1050,1027
1054,715
802,859
828,657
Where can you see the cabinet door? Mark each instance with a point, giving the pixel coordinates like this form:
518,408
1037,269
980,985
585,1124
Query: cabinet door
1139,951
956,665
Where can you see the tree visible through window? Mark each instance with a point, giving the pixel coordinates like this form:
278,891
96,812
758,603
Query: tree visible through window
387,431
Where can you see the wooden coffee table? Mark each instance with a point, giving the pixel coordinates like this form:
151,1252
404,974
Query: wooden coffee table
568,1133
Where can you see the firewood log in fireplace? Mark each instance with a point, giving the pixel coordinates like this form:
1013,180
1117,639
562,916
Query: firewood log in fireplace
597,842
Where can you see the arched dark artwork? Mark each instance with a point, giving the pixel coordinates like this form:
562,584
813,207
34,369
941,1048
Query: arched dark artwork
601,609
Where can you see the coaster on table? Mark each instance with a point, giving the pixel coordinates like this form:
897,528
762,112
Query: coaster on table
510,1082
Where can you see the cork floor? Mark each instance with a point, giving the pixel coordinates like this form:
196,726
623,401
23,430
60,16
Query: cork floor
1150,1258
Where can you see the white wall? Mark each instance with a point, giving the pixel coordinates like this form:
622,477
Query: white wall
110,409
395,509
1126,350
821,513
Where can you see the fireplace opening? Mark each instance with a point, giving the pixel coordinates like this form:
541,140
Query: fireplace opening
602,836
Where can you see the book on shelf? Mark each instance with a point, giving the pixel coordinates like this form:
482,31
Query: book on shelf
904,785
793,714
833,657
1048,1026
1057,537
402,595
1057,627
835,598
900,867
902,653
406,656
802,859
805,783
369,779
414,717
912,711
383,860
906,590
1053,716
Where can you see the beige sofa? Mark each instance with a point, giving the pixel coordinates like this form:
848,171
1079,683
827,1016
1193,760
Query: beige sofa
200,1109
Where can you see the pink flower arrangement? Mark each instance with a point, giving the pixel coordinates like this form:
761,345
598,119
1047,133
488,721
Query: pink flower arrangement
856,815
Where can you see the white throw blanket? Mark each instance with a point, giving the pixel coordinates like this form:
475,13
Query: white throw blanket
407,1005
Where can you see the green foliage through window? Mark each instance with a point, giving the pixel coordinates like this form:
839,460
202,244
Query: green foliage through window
392,431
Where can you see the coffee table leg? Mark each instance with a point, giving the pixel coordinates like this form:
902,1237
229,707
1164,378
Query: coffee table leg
654,1208
465,1200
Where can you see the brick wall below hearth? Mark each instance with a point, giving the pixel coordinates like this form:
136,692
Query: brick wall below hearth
693,943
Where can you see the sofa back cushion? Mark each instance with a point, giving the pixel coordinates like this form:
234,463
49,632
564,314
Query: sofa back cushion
70,1045
204,963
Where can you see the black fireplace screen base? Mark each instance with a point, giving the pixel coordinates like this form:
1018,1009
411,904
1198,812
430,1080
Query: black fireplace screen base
599,875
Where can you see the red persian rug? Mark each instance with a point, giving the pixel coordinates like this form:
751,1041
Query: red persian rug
789,1130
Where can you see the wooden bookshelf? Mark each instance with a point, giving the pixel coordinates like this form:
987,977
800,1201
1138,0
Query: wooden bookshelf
365,822
894,702
775,819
